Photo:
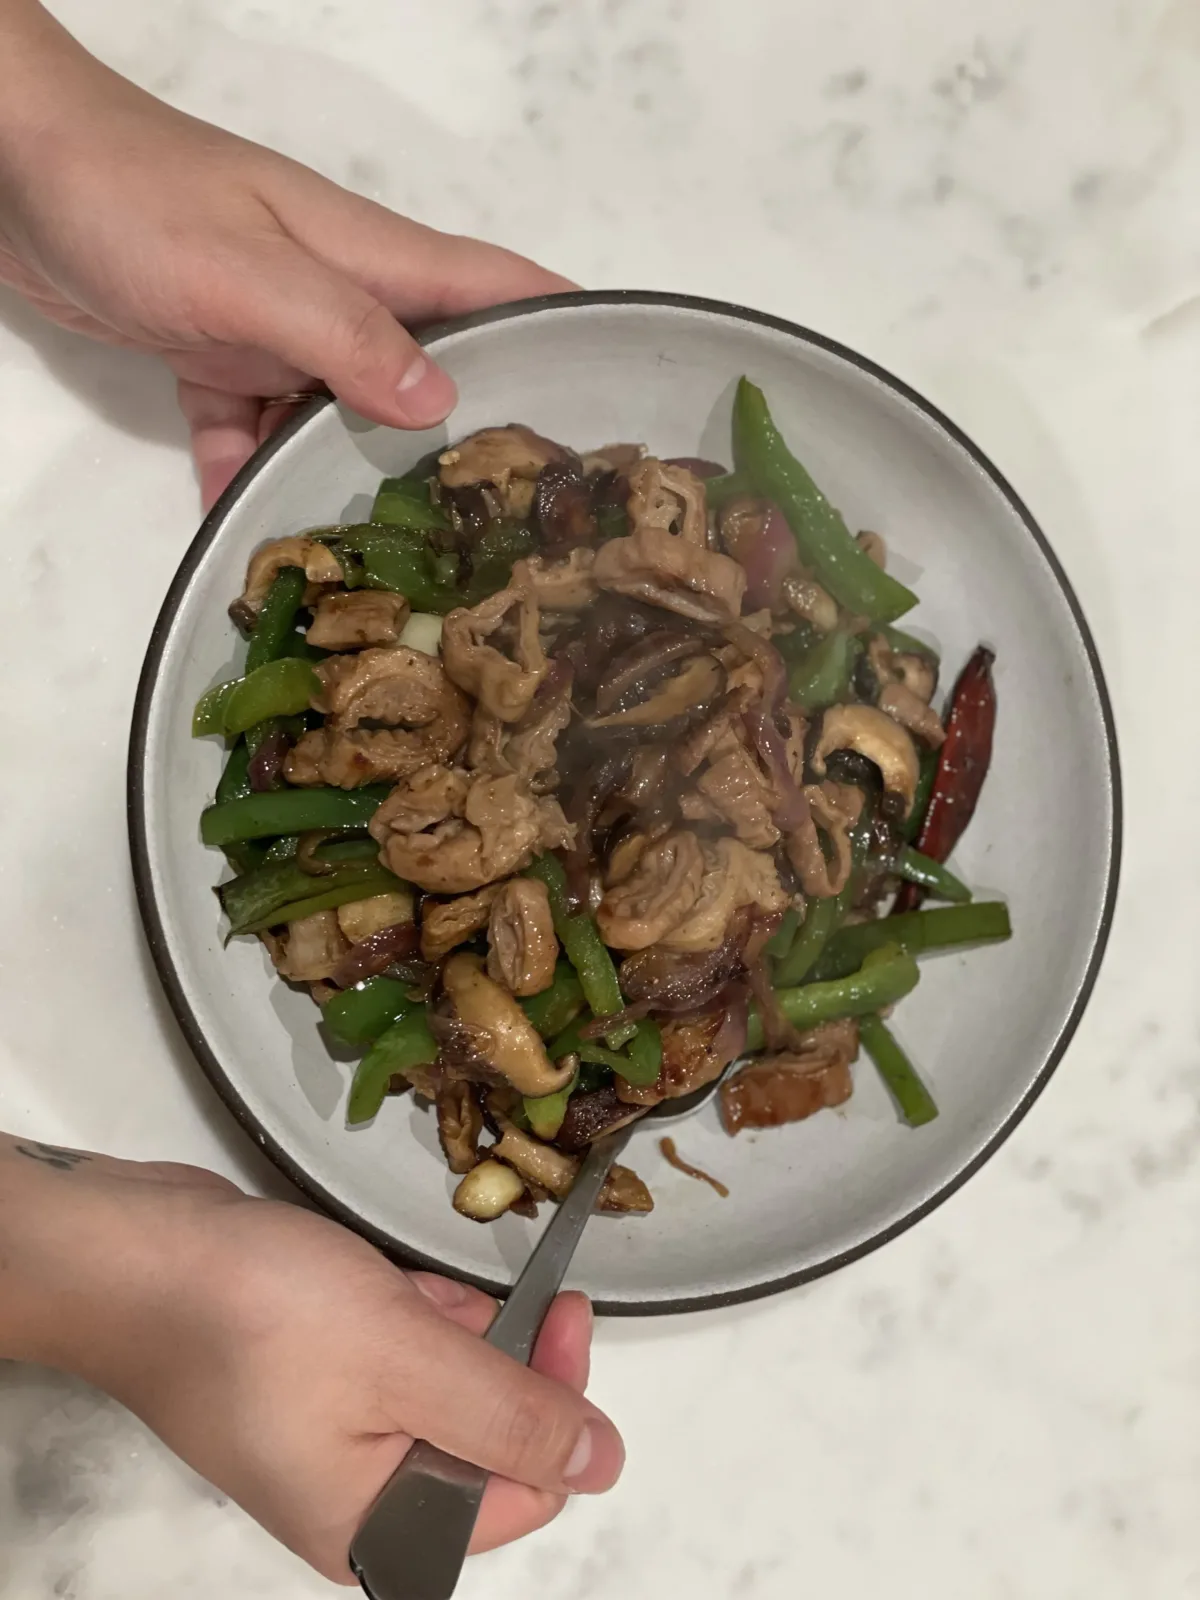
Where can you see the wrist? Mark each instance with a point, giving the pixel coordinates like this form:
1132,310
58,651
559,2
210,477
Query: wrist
71,1268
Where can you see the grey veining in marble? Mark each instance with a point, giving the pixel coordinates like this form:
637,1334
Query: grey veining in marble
998,200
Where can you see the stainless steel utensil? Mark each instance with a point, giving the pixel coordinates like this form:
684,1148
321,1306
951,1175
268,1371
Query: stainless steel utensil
414,1541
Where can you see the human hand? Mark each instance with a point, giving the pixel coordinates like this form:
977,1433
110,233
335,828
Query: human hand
280,1355
251,275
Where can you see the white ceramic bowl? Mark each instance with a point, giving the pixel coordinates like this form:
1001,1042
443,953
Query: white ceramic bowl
987,1028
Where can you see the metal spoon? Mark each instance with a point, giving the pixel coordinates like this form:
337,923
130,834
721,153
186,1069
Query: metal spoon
414,1541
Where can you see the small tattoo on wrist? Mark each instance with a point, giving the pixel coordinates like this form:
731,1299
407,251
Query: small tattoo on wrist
51,1155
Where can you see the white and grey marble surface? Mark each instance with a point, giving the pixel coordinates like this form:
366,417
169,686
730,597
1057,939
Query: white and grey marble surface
997,199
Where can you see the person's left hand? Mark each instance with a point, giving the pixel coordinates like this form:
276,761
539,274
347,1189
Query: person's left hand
251,275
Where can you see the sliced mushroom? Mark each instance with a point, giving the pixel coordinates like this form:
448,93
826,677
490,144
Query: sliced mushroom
873,734
691,692
500,1031
503,685
522,948
911,712
488,1191
509,459
460,1123
811,602
354,619
542,1164
447,923
562,506
317,561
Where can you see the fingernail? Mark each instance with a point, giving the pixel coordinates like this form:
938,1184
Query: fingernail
442,1291
426,394
581,1458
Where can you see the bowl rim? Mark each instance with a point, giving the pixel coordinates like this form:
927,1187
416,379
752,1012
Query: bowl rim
139,825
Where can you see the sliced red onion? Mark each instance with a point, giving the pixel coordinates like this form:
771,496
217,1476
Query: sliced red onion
757,536
374,954
266,764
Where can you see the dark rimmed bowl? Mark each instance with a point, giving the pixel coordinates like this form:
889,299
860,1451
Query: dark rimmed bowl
987,1028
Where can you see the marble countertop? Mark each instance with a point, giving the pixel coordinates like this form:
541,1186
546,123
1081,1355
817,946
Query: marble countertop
998,201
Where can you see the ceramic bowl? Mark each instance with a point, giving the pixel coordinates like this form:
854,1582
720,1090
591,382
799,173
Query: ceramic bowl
987,1028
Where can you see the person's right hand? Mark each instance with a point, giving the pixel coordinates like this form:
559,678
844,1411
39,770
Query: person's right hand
282,1356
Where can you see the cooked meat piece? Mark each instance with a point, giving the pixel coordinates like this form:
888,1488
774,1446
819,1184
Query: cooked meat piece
836,807
668,498
503,685
522,949
320,566
450,833
364,755
810,601
509,459
528,747
692,1056
911,712
590,1116
669,571
460,1123
657,895
349,620
397,688
427,719
743,795
362,918
733,877
563,585
310,949
793,1085
499,1031
447,923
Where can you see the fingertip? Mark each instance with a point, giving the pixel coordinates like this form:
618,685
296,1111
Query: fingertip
425,394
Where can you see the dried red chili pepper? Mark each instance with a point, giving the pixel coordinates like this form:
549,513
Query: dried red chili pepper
962,766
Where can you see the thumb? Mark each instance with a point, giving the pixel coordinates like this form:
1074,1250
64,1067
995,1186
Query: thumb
312,317
463,1395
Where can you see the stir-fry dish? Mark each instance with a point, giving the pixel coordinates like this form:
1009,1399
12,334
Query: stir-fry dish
571,781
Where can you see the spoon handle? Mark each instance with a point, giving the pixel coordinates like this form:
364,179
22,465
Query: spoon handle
523,1313
414,1541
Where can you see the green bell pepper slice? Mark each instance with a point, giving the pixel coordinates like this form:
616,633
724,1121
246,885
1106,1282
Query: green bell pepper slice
911,865
585,949
557,1006
874,986
277,689
360,1015
266,816
913,1100
405,503
824,541
275,626
915,932
822,676
407,1043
